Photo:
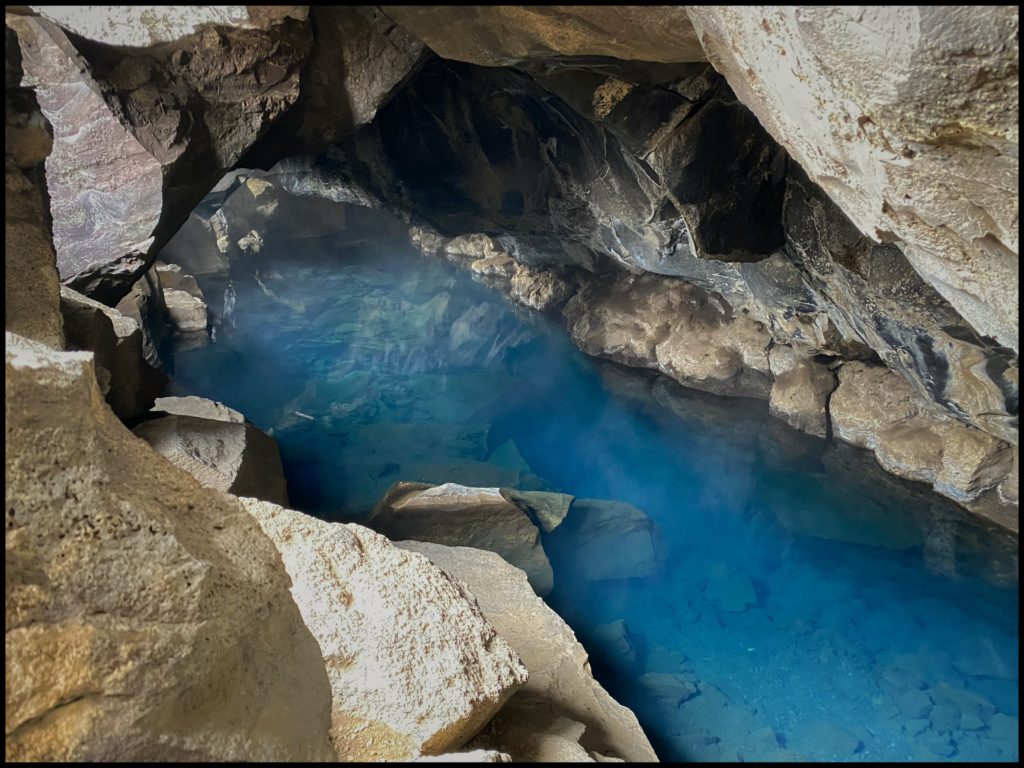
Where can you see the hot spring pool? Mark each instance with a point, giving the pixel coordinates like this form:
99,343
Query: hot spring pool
802,603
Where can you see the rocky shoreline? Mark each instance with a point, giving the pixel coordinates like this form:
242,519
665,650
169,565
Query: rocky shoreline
664,193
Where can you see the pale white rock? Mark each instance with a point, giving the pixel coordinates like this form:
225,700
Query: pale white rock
173,277
187,312
563,712
217,446
907,116
415,667
458,515
140,25
148,618
470,756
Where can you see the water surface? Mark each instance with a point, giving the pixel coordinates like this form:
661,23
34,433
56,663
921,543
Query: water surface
772,597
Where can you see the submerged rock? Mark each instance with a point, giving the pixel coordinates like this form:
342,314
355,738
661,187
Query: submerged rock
414,666
216,445
130,613
610,540
562,713
459,516
729,588
129,383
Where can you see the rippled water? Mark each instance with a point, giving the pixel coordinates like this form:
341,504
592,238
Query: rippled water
774,598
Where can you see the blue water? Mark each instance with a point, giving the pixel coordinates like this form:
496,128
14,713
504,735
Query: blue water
773,598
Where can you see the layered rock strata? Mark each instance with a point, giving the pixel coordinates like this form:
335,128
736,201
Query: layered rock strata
459,516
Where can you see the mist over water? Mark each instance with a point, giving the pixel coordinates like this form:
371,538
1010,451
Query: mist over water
766,596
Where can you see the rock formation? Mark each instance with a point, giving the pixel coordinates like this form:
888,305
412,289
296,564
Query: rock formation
131,615
458,516
414,666
217,446
127,380
562,714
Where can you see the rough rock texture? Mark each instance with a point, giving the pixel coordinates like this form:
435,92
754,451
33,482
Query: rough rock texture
144,303
907,116
611,540
31,286
186,312
217,446
873,295
414,665
875,408
129,383
657,322
359,58
562,713
141,134
130,615
800,397
142,25
546,509
459,516
506,34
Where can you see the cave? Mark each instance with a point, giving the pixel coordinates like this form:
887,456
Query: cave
520,385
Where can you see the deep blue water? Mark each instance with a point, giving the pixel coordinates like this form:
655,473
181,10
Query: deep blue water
794,601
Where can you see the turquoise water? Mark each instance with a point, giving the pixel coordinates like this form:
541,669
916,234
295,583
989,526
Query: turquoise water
773,598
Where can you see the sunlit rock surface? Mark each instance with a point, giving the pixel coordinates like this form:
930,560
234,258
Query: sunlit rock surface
130,614
216,445
907,117
127,380
458,516
536,725
415,667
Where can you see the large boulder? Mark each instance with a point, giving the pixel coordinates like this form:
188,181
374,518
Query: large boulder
874,408
217,445
507,34
800,395
915,141
668,324
127,380
609,540
31,285
139,625
562,713
459,516
415,667
141,133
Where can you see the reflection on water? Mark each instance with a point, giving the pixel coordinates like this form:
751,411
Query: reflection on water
797,602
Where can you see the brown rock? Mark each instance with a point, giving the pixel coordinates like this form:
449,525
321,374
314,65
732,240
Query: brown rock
131,614
129,383
503,35
800,397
